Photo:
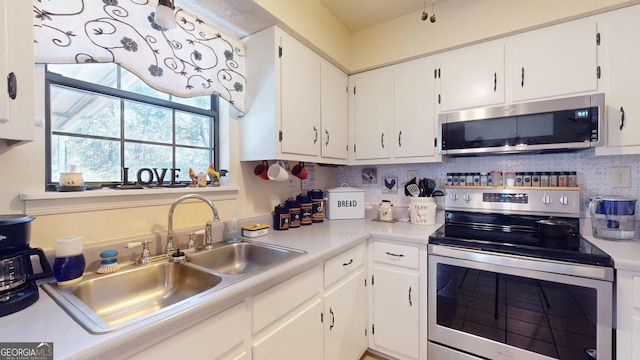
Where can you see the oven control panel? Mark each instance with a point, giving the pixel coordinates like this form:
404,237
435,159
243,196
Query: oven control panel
547,202
518,198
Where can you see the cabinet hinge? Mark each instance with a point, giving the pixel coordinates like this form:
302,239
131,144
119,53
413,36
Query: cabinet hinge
279,51
598,72
280,136
598,39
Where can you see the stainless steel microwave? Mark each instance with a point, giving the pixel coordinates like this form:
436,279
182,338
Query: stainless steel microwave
558,125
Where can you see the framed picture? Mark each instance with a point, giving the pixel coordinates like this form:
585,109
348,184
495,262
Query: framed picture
369,176
390,185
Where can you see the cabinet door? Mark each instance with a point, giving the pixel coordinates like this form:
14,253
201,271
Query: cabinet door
414,109
472,77
345,318
221,337
559,60
16,57
335,112
396,315
300,98
373,114
621,49
298,338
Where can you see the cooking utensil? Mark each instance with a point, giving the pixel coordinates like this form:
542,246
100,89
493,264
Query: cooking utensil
413,190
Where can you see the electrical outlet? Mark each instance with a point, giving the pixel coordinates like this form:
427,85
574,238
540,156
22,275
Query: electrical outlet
412,174
621,176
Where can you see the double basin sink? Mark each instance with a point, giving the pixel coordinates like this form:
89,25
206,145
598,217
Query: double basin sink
102,303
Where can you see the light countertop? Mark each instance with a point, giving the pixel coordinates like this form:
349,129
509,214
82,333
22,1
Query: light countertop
45,321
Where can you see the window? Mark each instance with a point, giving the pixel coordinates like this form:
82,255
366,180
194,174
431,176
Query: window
102,118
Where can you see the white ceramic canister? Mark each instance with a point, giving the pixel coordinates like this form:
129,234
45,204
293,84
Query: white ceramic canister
422,210
385,210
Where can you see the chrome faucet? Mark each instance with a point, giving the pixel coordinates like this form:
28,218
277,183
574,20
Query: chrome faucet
208,228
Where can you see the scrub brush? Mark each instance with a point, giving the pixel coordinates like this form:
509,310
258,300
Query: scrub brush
109,262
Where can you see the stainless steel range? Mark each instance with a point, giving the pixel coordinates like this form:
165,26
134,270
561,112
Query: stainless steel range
505,290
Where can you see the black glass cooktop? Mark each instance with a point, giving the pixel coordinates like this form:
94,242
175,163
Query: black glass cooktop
517,235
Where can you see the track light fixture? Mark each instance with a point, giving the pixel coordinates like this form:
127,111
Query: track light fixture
425,14
164,17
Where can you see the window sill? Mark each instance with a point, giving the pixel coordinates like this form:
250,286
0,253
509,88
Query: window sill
46,203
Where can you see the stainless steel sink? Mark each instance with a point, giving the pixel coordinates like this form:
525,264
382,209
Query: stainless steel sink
107,302
102,303
243,258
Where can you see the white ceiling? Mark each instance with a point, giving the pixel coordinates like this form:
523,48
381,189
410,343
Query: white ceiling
244,17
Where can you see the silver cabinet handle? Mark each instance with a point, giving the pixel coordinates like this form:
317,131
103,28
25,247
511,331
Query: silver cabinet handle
382,140
327,133
316,138
400,139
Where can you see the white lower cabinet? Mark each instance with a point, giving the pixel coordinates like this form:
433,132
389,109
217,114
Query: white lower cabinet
300,337
345,305
221,337
398,300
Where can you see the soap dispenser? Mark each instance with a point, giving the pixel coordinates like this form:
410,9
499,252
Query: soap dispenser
234,233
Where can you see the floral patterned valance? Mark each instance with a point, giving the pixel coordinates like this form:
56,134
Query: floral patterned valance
191,60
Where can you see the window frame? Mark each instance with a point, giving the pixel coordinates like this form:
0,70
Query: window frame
52,79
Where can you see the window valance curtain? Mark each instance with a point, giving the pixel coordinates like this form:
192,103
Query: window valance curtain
190,60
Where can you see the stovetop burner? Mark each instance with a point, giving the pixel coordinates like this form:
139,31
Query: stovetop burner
517,235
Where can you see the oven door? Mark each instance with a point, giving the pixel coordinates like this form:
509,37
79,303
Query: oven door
501,307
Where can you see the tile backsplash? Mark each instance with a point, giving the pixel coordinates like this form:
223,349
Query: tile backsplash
594,173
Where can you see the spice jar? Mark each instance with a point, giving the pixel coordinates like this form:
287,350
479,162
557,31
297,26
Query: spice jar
572,179
456,179
563,180
535,179
463,179
519,179
553,179
469,179
526,179
449,179
544,179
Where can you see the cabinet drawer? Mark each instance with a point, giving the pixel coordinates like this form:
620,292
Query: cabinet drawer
343,264
395,254
271,304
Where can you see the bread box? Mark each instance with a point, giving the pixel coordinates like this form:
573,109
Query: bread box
345,202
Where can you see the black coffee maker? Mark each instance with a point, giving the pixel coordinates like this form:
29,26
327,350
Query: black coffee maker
18,288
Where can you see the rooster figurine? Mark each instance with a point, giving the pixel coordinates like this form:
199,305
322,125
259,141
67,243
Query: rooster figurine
193,177
213,175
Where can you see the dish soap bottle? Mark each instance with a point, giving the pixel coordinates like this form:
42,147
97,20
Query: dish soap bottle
234,234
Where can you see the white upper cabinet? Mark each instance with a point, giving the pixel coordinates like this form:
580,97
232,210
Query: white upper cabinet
16,72
414,110
472,77
335,113
373,110
297,105
555,61
300,98
620,51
